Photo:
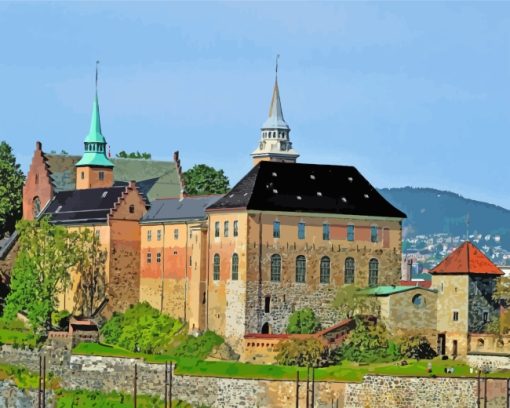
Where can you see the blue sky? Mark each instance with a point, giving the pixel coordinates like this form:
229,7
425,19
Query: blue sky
410,93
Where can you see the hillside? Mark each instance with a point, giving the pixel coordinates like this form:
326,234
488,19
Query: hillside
431,211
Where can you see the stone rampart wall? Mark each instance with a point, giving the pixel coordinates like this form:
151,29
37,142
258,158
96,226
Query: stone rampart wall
109,374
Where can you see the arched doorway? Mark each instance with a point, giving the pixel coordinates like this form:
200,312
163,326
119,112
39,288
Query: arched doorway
266,329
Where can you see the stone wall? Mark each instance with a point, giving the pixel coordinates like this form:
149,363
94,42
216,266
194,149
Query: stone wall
116,374
12,396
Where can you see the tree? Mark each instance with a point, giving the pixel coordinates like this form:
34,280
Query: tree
203,179
369,343
351,300
417,347
134,155
41,271
11,186
302,353
90,267
502,292
303,322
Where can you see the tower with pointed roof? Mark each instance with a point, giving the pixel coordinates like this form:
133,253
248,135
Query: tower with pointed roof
275,144
94,170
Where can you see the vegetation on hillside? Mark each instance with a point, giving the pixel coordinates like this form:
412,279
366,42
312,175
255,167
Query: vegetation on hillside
11,189
203,179
141,328
303,321
134,155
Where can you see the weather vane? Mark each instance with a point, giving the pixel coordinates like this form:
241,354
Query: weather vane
277,57
97,67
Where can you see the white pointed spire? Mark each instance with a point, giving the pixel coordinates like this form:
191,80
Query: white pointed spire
275,144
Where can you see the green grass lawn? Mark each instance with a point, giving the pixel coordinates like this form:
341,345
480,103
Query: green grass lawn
15,332
346,371
94,399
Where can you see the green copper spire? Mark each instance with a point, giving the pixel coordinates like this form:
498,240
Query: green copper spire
95,143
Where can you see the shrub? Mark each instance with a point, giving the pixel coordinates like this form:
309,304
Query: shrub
60,319
198,347
141,328
302,353
369,343
417,347
303,322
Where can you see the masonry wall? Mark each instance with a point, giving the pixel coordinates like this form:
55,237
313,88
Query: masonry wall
116,374
288,295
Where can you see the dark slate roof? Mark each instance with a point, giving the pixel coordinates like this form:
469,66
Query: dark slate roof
88,206
155,179
175,209
317,188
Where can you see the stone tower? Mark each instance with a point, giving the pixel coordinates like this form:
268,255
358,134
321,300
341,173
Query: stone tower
94,170
275,144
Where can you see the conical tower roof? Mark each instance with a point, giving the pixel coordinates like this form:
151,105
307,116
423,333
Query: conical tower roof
275,119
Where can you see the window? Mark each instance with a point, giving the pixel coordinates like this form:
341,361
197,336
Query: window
235,267
101,175
216,267
349,271
418,301
82,175
276,267
455,316
36,206
149,235
190,261
131,209
267,304
441,287
37,179
325,232
276,229
350,232
158,234
301,230
325,269
176,233
236,228
485,317
158,257
300,269
225,229
374,234
373,272
149,257
217,229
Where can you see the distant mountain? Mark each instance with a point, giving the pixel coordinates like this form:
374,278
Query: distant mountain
431,211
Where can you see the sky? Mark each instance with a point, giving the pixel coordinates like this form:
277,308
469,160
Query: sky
410,93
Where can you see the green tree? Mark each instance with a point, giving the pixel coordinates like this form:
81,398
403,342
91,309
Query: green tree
351,301
302,353
203,179
41,271
501,293
369,343
303,322
11,186
417,347
134,155
91,270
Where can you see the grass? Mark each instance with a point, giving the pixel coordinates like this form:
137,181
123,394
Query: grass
346,371
15,332
95,399
25,379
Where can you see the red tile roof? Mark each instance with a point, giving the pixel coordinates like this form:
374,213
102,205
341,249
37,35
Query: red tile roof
467,259
422,284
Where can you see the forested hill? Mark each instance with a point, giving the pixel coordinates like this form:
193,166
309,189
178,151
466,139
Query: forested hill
431,211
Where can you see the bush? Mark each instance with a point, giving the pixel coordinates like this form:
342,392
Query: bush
369,343
141,328
303,322
60,319
417,347
198,347
302,353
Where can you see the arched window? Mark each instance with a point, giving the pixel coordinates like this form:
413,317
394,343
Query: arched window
235,267
265,328
325,269
36,206
349,271
373,272
216,267
276,268
300,269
